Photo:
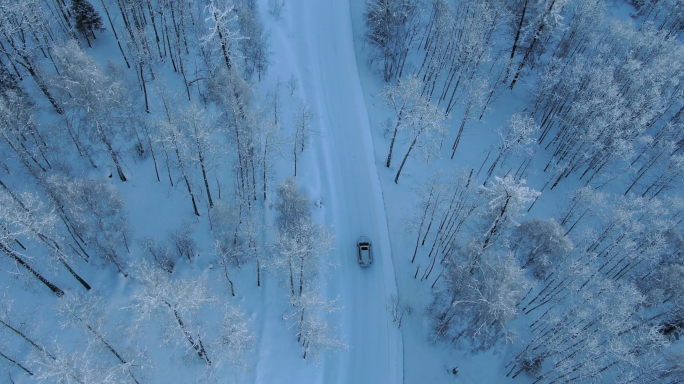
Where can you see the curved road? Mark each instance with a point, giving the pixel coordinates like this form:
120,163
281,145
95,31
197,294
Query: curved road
349,186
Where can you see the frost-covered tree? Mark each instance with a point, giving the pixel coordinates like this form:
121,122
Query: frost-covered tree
94,100
78,368
159,251
87,313
227,240
516,138
173,139
21,135
22,220
174,302
301,249
430,196
533,22
477,297
420,121
237,237
12,326
454,204
392,26
304,118
233,95
254,41
582,204
271,141
458,41
25,35
540,245
301,244
184,246
221,20
402,98
506,199
314,333
236,338
291,205
476,94
94,212
200,128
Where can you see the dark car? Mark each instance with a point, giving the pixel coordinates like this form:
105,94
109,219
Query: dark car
364,251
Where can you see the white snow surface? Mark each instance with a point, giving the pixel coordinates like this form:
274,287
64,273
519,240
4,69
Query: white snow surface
340,171
320,43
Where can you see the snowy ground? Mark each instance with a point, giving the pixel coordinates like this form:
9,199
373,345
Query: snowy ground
340,171
322,43
343,174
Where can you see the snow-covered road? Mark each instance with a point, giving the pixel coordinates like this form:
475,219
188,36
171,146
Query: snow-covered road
347,181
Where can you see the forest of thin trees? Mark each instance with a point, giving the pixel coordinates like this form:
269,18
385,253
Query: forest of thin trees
595,281
177,92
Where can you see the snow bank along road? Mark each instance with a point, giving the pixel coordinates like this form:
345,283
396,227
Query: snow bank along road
349,186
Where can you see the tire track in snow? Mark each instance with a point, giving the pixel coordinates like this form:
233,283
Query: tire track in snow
348,180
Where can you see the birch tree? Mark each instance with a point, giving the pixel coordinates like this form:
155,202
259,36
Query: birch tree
477,298
222,32
25,36
506,200
96,99
26,219
87,313
516,138
424,128
392,26
236,339
200,127
95,214
171,136
18,221
304,118
540,245
174,302
314,333
403,98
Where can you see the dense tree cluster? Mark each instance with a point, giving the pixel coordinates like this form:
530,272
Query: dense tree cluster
595,281
301,244
74,133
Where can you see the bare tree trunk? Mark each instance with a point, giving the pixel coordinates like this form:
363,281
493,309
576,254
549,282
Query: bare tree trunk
187,182
16,363
394,136
515,41
23,336
196,346
21,262
396,178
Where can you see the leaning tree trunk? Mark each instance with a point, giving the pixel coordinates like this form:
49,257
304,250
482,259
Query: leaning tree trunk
394,137
396,178
40,277
28,339
204,174
187,182
198,347
16,363
112,153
